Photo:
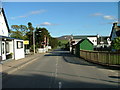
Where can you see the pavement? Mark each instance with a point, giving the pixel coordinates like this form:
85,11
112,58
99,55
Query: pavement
7,67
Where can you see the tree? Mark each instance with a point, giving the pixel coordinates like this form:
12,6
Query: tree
53,42
15,27
40,35
18,31
30,27
30,34
23,29
15,33
116,44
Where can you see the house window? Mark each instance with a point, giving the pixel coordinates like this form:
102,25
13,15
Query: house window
19,44
7,47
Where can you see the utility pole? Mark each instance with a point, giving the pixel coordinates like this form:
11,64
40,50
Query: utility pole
34,41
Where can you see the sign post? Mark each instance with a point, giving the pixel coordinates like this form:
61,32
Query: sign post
26,42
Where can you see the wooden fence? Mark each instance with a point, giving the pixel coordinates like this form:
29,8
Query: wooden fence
106,58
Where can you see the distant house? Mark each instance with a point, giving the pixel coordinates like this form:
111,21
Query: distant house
10,48
115,31
84,44
92,38
103,43
76,39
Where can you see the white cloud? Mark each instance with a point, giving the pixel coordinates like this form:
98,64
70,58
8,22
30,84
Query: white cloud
37,12
108,17
12,18
47,24
103,23
29,14
22,16
97,14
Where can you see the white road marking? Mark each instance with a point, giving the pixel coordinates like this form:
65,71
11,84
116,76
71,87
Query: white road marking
56,67
111,70
51,80
60,85
56,70
107,70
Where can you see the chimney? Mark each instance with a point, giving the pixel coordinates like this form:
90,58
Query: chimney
115,24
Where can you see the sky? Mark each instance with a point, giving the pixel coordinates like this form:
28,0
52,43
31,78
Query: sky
64,18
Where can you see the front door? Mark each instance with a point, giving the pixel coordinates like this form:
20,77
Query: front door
3,51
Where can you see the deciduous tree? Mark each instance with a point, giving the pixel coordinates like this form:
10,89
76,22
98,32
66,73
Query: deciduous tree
116,44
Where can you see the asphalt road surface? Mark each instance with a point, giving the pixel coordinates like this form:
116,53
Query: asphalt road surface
60,69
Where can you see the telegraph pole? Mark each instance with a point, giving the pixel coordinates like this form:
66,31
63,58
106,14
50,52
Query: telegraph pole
34,41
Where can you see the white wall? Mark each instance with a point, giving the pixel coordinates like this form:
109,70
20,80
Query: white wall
76,41
93,40
3,26
19,53
11,48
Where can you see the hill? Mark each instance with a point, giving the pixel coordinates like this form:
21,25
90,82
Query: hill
65,37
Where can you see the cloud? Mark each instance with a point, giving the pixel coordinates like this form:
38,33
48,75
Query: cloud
97,14
47,24
22,16
12,18
108,17
29,14
37,12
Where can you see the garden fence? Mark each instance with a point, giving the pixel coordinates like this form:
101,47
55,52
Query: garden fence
102,57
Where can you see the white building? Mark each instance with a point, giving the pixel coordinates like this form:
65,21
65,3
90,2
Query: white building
4,29
10,48
92,38
76,39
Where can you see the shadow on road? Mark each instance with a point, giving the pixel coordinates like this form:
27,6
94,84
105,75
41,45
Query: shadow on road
42,80
70,58
117,77
47,79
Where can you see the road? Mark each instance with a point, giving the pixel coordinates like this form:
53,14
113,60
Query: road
60,69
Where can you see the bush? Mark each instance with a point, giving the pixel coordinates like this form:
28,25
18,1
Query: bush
116,44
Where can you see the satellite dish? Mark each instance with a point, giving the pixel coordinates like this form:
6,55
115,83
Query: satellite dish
108,39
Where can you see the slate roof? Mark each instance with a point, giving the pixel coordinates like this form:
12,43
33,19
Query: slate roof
9,37
83,36
117,29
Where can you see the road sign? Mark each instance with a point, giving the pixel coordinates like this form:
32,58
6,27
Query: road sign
26,42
